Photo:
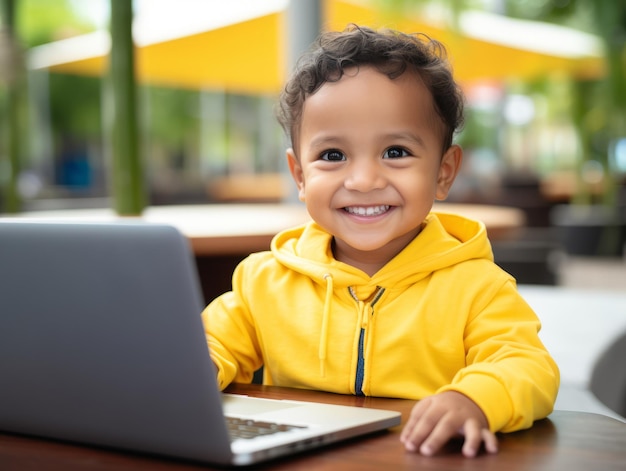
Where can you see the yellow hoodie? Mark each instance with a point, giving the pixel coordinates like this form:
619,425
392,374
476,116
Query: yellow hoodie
439,316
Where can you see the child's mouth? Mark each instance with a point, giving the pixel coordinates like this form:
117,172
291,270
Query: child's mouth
367,210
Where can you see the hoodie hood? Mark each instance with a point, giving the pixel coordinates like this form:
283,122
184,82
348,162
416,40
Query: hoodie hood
445,240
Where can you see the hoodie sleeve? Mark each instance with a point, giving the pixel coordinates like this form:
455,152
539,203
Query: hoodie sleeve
509,373
231,334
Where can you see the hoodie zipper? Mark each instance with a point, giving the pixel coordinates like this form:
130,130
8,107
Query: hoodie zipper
366,310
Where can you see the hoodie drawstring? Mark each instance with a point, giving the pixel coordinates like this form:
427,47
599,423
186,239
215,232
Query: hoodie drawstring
325,318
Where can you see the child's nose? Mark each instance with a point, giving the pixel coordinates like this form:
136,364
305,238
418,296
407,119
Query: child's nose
365,176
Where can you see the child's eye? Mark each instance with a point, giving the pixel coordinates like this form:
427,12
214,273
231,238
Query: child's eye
333,156
395,152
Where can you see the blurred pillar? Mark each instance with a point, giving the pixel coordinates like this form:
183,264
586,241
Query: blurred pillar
11,80
127,168
304,23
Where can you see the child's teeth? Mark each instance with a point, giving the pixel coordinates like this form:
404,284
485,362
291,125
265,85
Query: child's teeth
369,211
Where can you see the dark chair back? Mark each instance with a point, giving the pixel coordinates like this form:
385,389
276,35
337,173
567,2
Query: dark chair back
608,377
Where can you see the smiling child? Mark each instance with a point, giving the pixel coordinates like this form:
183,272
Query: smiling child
378,295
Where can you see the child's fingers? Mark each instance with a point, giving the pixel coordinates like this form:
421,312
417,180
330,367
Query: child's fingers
475,436
422,430
444,430
490,440
408,430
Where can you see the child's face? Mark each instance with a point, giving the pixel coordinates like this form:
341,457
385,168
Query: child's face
369,162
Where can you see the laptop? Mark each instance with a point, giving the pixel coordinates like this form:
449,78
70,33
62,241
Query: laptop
102,343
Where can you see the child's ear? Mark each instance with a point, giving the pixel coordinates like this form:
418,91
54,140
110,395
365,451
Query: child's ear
296,172
448,170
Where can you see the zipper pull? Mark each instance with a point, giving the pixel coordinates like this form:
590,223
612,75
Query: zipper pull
365,312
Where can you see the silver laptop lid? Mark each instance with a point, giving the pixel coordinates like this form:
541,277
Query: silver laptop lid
74,299
101,342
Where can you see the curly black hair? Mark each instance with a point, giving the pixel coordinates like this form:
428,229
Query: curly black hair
390,52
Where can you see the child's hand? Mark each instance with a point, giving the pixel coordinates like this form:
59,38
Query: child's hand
436,419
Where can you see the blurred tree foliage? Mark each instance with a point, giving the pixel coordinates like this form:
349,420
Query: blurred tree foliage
44,21
600,106
75,105
30,23
173,114
75,101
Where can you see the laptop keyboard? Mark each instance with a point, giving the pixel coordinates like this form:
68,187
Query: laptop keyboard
247,428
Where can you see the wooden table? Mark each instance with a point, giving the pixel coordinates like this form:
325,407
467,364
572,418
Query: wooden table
221,235
565,441
213,229
218,229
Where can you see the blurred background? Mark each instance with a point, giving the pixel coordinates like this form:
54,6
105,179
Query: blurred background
545,131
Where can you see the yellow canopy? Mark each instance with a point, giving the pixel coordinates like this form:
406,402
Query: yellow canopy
248,56
487,46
